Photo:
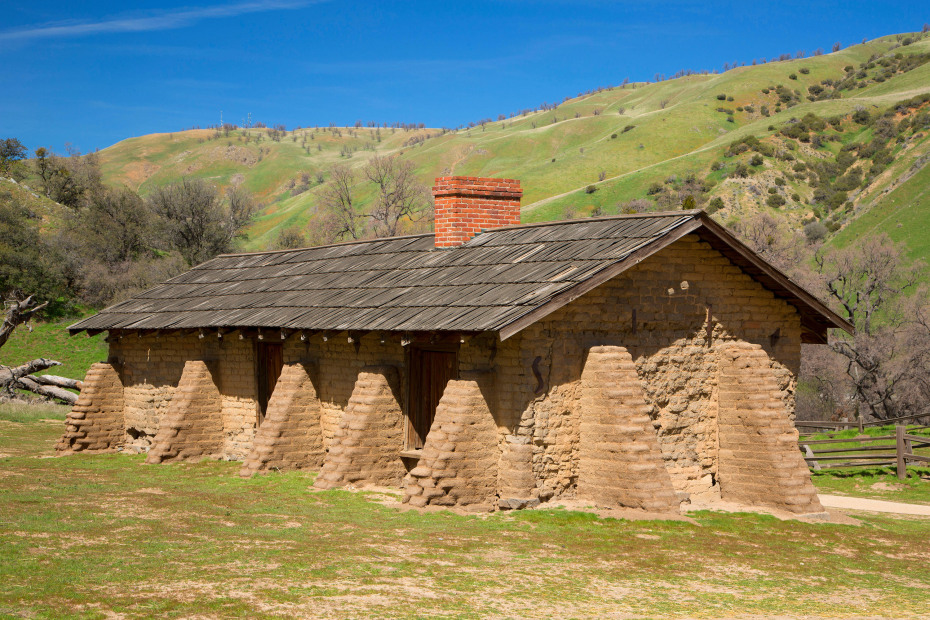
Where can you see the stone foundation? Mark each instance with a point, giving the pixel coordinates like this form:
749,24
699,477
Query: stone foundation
96,422
367,443
290,437
760,463
619,460
192,428
460,457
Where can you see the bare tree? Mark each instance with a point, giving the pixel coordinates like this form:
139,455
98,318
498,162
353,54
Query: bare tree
400,195
401,201
340,218
774,241
878,291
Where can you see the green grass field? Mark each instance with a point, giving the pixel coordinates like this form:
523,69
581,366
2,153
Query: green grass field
97,536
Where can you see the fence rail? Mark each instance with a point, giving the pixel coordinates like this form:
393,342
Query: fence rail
899,453
846,424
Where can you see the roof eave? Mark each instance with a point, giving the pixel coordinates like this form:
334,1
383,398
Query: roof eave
815,322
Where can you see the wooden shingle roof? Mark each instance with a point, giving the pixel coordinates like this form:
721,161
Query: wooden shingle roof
501,280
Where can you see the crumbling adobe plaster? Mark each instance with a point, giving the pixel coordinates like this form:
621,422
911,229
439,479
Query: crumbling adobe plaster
670,312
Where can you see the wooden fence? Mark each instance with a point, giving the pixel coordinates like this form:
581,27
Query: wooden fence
868,451
848,424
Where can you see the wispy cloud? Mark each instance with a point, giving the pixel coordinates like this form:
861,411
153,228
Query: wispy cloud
157,21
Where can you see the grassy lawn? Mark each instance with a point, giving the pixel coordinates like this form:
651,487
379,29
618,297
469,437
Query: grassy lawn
106,535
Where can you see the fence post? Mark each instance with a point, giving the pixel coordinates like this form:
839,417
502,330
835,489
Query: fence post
899,450
861,425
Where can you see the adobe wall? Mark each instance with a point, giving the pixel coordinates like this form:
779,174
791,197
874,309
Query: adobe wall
151,368
668,312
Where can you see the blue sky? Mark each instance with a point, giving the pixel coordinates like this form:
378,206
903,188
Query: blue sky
91,74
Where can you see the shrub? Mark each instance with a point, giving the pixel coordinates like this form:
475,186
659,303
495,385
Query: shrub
715,205
722,97
793,76
779,181
756,160
729,98
773,190
627,128
654,188
613,136
861,116
796,197
590,189
775,201
815,231
804,70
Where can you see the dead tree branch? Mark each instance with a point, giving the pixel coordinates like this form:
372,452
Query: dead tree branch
19,312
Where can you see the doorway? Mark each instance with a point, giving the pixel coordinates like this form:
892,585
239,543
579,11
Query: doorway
430,371
269,362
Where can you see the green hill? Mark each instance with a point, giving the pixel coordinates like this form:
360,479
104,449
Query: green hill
598,151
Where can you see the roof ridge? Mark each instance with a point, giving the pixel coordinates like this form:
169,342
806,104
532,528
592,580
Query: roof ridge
625,216
513,227
318,247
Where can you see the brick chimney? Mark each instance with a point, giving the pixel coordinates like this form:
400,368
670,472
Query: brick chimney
467,205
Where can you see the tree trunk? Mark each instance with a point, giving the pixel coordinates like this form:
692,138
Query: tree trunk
49,391
19,312
62,382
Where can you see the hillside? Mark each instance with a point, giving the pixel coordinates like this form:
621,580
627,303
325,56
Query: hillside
598,151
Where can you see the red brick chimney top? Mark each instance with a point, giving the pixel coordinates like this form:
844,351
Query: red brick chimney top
465,206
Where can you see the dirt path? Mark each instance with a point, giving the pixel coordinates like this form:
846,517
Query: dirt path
873,505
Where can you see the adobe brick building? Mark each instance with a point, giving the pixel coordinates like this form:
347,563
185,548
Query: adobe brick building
632,361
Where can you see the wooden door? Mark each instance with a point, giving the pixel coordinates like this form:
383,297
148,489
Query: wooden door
269,362
430,371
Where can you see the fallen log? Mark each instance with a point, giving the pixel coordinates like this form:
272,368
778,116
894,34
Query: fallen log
49,391
62,382
10,374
